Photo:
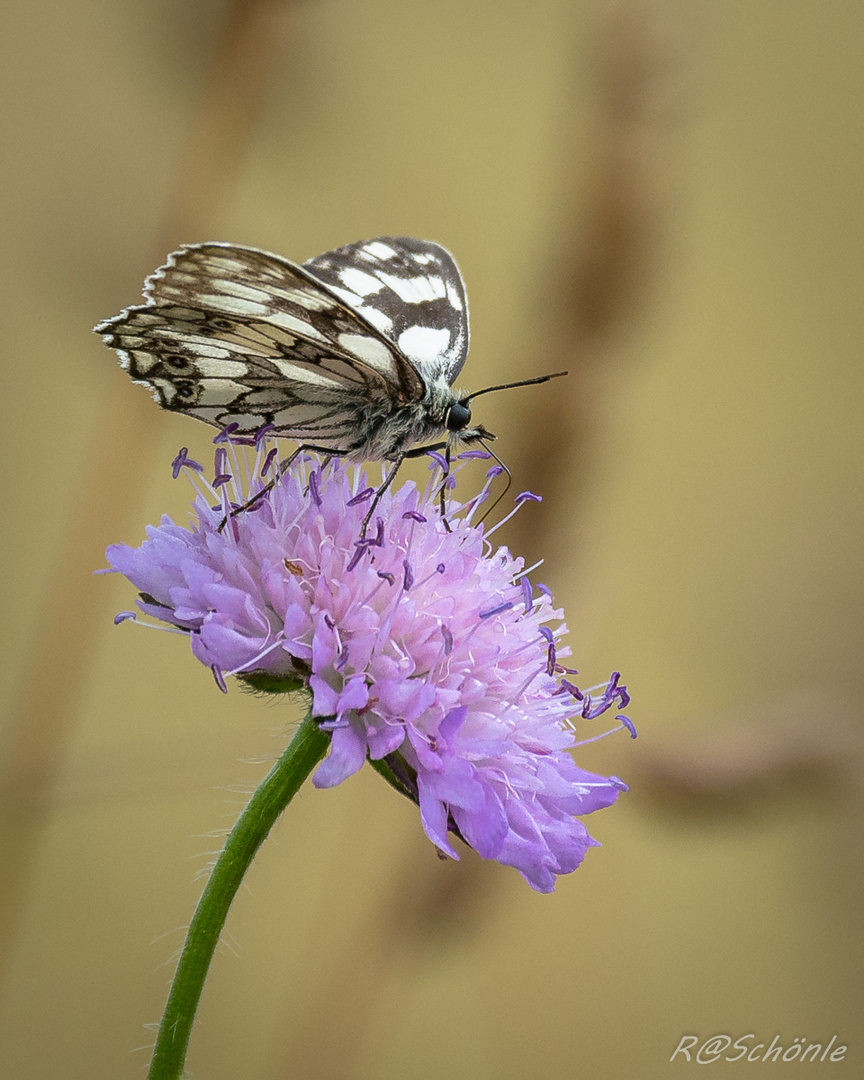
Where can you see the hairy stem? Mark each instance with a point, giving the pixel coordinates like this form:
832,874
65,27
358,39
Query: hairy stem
271,797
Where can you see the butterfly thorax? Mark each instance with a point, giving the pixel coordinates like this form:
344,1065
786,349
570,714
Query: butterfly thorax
388,433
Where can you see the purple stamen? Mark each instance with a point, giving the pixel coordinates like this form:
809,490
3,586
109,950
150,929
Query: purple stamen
359,552
527,595
268,461
362,496
619,783
184,461
545,590
243,440
468,455
550,659
220,680
373,541
628,723
262,433
611,692
342,659
413,516
314,488
572,690
505,606
439,460
124,616
226,432
389,578
546,632
221,479
408,579
448,640
525,496
496,470
333,724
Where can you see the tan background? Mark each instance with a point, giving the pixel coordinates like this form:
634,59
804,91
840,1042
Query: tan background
667,198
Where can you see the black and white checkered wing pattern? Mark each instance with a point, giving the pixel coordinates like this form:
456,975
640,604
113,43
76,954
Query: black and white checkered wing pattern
411,290
232,334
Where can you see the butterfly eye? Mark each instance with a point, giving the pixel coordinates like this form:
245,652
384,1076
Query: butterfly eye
458,417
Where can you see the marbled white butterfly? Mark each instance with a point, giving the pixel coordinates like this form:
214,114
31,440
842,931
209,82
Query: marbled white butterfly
354,352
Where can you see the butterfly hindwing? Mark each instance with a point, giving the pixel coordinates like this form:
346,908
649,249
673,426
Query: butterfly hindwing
411,290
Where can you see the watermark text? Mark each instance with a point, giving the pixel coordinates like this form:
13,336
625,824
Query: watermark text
748,1048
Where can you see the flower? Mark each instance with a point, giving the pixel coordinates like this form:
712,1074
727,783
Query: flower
423,647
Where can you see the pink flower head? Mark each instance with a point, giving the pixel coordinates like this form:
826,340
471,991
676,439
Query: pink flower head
424,648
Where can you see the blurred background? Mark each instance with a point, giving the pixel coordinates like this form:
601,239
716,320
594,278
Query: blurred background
665,198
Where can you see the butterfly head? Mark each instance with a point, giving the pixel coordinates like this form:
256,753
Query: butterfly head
457,421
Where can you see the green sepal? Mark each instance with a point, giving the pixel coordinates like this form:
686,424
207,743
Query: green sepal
264,682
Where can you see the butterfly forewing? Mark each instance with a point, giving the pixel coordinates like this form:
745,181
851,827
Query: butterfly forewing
235,334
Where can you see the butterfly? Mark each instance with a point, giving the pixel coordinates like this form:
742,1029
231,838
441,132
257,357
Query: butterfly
353,353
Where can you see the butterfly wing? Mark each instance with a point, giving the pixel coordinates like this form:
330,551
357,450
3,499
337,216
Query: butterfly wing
411,290
233,334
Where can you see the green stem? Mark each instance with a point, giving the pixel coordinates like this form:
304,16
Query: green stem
272,796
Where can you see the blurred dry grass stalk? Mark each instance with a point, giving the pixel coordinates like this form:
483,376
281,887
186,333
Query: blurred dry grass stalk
606,246
214,151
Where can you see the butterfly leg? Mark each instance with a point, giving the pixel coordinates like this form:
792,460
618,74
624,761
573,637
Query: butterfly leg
281,469
418,451
391,476
442,491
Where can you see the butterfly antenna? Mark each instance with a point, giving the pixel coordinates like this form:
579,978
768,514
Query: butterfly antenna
510,385
503,466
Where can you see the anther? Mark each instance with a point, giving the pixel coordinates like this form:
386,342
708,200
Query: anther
226,432
268,461
505,606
